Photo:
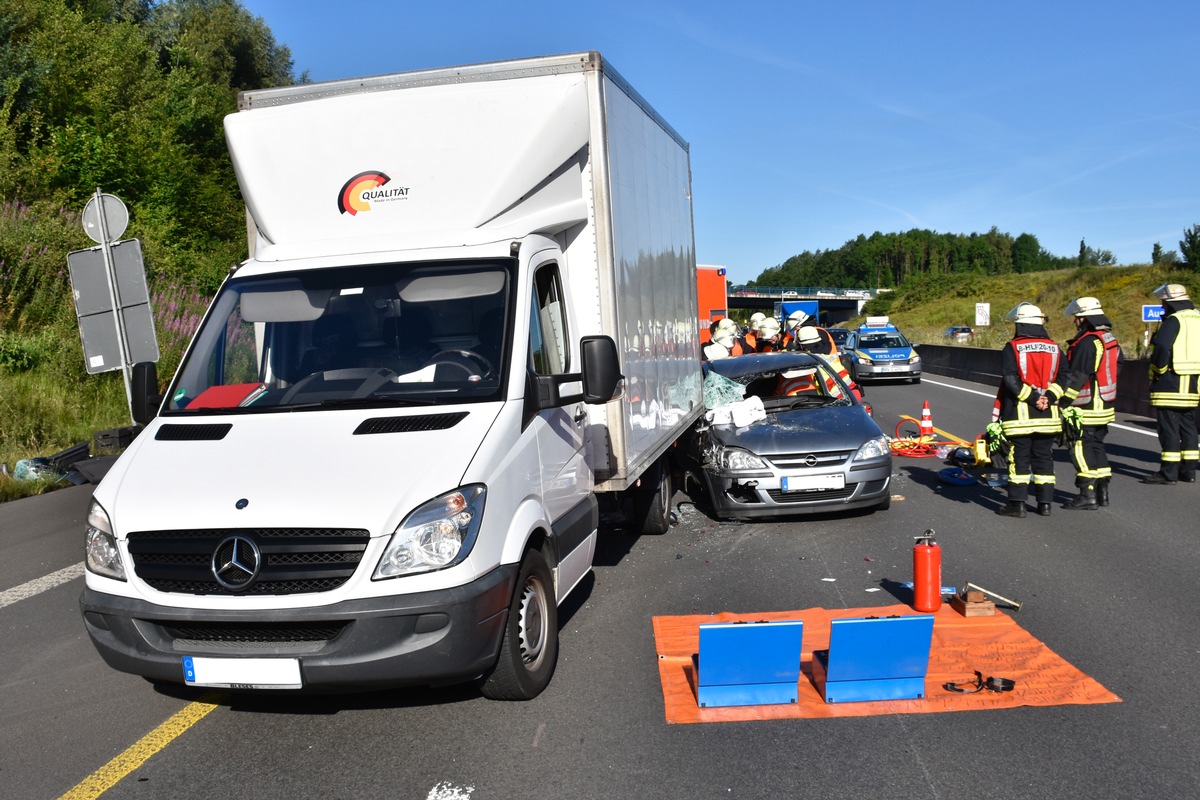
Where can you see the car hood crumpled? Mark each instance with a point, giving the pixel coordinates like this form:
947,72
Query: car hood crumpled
802,430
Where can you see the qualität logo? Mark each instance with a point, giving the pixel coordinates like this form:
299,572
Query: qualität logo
359,192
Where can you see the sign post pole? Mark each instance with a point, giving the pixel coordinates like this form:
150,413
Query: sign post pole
114,294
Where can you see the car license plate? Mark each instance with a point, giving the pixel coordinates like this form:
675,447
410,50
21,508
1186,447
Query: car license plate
896,368
811,483
242,673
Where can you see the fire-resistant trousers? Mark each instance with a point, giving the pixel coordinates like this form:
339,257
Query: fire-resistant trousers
1178,440
1089,456
1031,460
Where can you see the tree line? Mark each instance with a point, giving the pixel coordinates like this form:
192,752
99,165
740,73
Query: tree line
128,96
886,260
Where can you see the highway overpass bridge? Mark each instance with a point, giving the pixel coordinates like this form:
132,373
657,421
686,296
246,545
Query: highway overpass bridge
835,305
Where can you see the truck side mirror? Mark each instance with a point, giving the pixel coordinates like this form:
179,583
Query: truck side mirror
144,389
601,369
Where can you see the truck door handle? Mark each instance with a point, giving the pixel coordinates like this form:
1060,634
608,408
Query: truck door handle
581,416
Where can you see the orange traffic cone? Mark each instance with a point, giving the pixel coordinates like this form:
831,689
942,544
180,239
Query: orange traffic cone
926,423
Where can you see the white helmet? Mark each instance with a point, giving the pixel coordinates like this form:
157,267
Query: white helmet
769,328
808,335
724,337
1171,291
796,319
726,324
1026,313
1083,307
756,321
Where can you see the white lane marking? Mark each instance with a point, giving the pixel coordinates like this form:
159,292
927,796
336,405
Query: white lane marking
39,585
993,395
448,791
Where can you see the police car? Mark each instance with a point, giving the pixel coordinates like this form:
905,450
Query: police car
877,350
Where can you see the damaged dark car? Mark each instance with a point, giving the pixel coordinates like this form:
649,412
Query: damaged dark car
783,435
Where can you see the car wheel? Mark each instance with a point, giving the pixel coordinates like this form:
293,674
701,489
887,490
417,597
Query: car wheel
529,649
652,500
914,380
886,504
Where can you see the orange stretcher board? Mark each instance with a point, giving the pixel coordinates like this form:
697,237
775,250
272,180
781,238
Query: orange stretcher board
995,645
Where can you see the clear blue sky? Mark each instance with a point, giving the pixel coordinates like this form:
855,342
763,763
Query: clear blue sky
813,122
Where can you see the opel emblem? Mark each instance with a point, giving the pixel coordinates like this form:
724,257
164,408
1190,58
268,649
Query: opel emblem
810,460
236,562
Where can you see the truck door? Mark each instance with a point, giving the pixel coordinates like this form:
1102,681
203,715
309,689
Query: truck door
562,433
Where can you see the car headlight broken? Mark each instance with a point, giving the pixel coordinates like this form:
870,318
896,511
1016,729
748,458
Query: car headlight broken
873,448
735,459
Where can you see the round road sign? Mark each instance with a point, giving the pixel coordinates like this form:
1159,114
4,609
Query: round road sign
115,214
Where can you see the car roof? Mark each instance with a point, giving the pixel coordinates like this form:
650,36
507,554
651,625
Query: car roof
738,366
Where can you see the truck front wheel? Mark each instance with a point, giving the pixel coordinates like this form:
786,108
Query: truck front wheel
529,649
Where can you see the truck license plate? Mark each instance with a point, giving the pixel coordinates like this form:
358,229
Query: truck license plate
242,673
810,483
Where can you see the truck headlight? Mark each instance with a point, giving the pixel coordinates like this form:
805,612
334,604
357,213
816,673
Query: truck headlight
736,459
103,557
438,534
873,448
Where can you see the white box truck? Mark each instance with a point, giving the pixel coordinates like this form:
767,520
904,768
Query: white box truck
468,323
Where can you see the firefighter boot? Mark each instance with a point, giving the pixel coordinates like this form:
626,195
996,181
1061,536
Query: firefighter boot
1102,493
1084,501
1014,508
1044,509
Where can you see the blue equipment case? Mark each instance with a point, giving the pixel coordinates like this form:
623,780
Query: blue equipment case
748,663
874,658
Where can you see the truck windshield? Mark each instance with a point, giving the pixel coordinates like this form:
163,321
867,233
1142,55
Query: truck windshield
396,334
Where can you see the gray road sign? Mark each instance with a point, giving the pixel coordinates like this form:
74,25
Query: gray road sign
94,306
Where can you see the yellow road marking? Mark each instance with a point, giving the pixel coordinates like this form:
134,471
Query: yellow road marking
139,752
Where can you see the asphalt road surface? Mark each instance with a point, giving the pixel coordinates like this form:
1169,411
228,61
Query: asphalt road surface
1111,591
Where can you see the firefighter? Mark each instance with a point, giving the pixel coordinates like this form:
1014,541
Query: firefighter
731,339
810,341
751,337
1090,390
769,339
799,319
1031,365
720,346
1174,371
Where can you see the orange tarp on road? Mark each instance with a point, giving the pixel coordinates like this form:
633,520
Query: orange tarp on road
995,645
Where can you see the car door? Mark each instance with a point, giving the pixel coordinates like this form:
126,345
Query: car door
562,433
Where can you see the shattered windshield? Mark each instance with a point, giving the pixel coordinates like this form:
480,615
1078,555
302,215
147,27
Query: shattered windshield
793,386
395,334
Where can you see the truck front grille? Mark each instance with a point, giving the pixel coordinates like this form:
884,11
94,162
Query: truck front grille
233,635
271,561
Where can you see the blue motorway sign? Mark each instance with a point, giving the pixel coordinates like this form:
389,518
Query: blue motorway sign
1152,313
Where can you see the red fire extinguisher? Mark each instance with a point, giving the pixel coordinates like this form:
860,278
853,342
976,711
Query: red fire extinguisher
927,574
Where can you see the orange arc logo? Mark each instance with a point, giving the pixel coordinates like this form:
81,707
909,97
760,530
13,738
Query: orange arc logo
350,199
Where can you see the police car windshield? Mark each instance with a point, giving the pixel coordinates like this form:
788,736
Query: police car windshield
883,340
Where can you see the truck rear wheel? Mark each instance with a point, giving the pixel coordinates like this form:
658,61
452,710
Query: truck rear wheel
652,500
529,649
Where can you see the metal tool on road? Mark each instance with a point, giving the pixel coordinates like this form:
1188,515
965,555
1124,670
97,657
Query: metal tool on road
1012,603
